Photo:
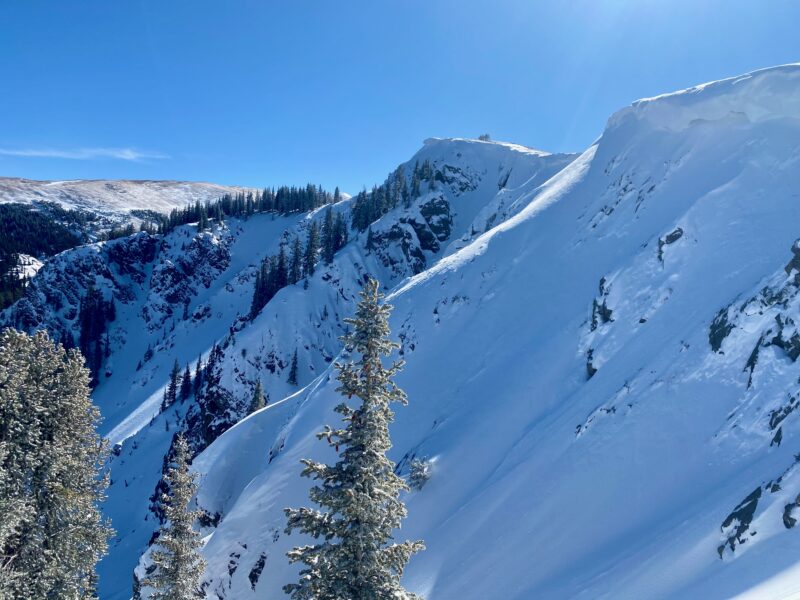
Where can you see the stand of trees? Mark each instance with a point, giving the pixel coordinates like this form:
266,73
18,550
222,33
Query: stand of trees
51,472
283,200
34,232
282,269
94,315
369,207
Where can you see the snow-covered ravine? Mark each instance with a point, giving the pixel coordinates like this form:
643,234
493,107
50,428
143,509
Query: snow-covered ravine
601,362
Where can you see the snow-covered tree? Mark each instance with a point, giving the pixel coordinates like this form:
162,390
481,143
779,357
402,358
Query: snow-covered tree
178,564
355,557
259,400
293,370
14,512
50,471
419,474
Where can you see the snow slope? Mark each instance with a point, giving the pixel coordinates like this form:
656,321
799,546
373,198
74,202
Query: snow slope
601,362
113,199
548,483
151,280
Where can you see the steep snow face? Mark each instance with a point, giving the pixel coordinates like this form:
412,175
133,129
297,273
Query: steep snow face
601,362
598,380
179,294
113,199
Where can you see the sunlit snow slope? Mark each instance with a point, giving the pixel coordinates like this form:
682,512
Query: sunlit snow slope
601,362
548,483
111,198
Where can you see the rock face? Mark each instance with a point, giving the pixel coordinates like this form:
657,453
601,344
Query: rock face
617,327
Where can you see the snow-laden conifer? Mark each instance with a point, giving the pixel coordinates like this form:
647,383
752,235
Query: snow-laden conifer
259,400
51,464
178,564
355,557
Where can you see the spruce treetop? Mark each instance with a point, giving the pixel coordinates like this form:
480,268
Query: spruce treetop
355,556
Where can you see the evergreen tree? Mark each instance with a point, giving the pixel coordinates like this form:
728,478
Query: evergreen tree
293,370
178,564
213,415
296,270
259,401
328,237
186,384
258,291
281,272
51,460
171,393
355,557
93,315
312,248
14,512
339,233
415,180
198,376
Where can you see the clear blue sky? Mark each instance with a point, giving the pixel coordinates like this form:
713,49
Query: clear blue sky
259,92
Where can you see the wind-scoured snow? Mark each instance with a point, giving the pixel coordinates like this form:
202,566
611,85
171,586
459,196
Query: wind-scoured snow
112,198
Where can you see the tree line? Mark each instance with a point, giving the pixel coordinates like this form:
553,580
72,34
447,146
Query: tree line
34,232
287,268
396,190
283,200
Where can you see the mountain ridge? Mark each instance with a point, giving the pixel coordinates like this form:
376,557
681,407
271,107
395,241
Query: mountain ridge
600,360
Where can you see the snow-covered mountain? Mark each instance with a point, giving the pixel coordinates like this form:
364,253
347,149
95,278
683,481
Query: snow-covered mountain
112,199
601,362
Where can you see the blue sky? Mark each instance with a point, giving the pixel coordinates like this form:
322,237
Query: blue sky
271,92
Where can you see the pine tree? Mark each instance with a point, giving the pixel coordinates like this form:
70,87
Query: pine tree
198,376
415,180
355,556
186,384
339,233
281,271
259,401
328,237
171,393
178,564
293,370
312,248
50,471
296,270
